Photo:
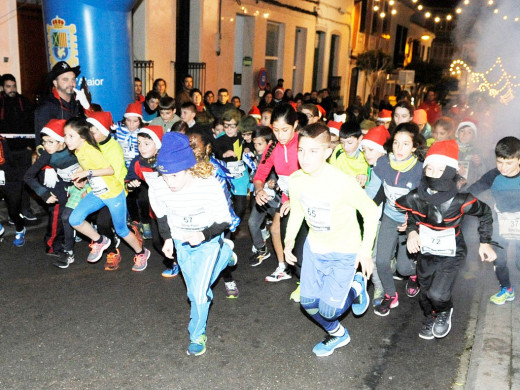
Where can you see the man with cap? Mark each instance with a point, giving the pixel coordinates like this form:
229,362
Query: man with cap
62,102
193,213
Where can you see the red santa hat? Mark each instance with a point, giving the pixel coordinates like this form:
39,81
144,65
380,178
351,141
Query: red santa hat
384,116
255,113
134,109
101,120
155,132
54,129
443,152
294,105
334,127
467,122
321,111
376,138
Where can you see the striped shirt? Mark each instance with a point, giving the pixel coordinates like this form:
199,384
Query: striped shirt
128,141
195,207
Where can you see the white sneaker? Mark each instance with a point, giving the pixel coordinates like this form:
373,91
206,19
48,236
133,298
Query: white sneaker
279,274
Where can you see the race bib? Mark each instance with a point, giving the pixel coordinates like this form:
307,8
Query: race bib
437,242
236,168
317,214
128,152
509,225
191,220
2,178
66,172
99,187
394,193
283,183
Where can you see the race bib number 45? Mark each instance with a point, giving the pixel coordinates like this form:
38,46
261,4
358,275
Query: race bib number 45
437,242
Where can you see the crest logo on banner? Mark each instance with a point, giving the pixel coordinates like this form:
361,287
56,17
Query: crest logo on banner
62,42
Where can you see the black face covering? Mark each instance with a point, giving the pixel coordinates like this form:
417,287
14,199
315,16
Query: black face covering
446,187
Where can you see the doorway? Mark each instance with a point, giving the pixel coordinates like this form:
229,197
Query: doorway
300,43
243,80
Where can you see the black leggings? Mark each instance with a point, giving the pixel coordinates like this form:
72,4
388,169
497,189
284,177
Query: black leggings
138,204
12,193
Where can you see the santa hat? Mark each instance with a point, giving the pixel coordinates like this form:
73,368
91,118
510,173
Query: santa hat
278,88
321,111
255,113
134,109
101,120
294,105
443,152
54,129
420,117
466,123
334,127
155,132
376,138
340,118
384,116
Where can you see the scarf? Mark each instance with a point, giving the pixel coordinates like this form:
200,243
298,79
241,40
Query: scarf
438,190
402,166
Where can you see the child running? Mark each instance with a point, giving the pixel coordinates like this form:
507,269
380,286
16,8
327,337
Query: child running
504,183
400,172
193,214
435,212
107,190
328,200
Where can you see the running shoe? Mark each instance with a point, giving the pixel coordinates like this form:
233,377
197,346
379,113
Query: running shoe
257,258
426,331
412,286
389,302
19,238
504,295
330,343
147,231
171,272
360,304
113,260
442,325
231,290
2,230
141,261
197,347
295,295
278,275
64,261
28,215
96,249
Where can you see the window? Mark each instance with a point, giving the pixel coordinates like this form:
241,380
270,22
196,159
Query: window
274,52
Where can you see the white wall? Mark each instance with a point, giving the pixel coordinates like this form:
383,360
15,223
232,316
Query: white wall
9,41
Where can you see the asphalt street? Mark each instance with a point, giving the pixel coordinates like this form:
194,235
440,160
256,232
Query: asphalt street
86,328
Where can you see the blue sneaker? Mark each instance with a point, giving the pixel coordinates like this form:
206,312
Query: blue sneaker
19,238
2,230
360,304
197,347
147,231
171,272
330,343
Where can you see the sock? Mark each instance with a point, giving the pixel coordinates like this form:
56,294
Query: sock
140,253
282,266
100,240
338,332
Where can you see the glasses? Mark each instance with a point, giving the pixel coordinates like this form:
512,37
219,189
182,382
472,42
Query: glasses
50,142
309,116
230,126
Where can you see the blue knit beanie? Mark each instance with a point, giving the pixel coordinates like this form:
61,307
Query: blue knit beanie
176,154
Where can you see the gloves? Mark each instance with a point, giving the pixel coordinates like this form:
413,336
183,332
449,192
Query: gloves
82,98
50,178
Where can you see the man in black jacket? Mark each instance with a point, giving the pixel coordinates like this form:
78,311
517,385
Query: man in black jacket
61,103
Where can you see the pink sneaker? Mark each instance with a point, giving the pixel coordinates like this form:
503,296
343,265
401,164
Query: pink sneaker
412,286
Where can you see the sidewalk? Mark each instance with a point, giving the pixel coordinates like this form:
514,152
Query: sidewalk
493,339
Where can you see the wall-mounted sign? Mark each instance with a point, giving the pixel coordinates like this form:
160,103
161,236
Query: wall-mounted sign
262,78
247,61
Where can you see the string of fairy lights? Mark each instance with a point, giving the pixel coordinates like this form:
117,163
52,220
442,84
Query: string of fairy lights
431,14
504,86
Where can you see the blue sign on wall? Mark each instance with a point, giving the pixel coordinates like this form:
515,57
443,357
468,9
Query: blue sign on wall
95,34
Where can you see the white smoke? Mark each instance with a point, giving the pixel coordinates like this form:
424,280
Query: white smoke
483,35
